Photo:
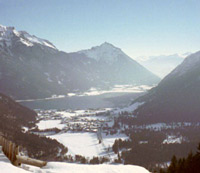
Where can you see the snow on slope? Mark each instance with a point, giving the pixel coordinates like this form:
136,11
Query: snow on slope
8,33
5,35
34,39
131,108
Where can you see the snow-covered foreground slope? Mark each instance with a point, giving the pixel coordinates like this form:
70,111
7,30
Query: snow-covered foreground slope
77,168
59,167
6,167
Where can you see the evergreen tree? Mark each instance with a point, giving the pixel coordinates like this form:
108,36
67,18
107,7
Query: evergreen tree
189,165
173,166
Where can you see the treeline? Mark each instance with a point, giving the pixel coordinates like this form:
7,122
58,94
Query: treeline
39,147
84,160
190,164
146,148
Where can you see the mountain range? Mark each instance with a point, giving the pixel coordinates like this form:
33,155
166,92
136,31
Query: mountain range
31,67
177,96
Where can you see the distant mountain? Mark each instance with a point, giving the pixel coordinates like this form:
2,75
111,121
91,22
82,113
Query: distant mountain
177,96
164,64
31,67
115,67
105,53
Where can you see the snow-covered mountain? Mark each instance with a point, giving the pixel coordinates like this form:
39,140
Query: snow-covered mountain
106,52
177,96
8,35
31,67
115,67
164,64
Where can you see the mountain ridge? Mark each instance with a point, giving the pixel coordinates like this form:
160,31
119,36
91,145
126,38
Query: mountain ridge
31,67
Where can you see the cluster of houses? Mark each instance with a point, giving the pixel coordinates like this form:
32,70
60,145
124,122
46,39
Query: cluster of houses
86,122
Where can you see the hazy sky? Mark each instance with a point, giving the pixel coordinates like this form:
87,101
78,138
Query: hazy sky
139,27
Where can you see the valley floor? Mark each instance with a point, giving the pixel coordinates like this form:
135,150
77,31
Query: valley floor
113,133
85,132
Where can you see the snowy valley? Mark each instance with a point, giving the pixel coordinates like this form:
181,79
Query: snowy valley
95,109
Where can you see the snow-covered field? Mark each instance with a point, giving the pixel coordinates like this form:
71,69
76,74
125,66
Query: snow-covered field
86,143
81,131
49,124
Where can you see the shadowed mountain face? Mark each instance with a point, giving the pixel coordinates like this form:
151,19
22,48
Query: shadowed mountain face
31,67
177,96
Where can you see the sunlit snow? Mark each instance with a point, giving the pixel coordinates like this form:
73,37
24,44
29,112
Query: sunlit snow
86,143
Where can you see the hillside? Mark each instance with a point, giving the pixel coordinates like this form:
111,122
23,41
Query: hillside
14,119
13,115
177,96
